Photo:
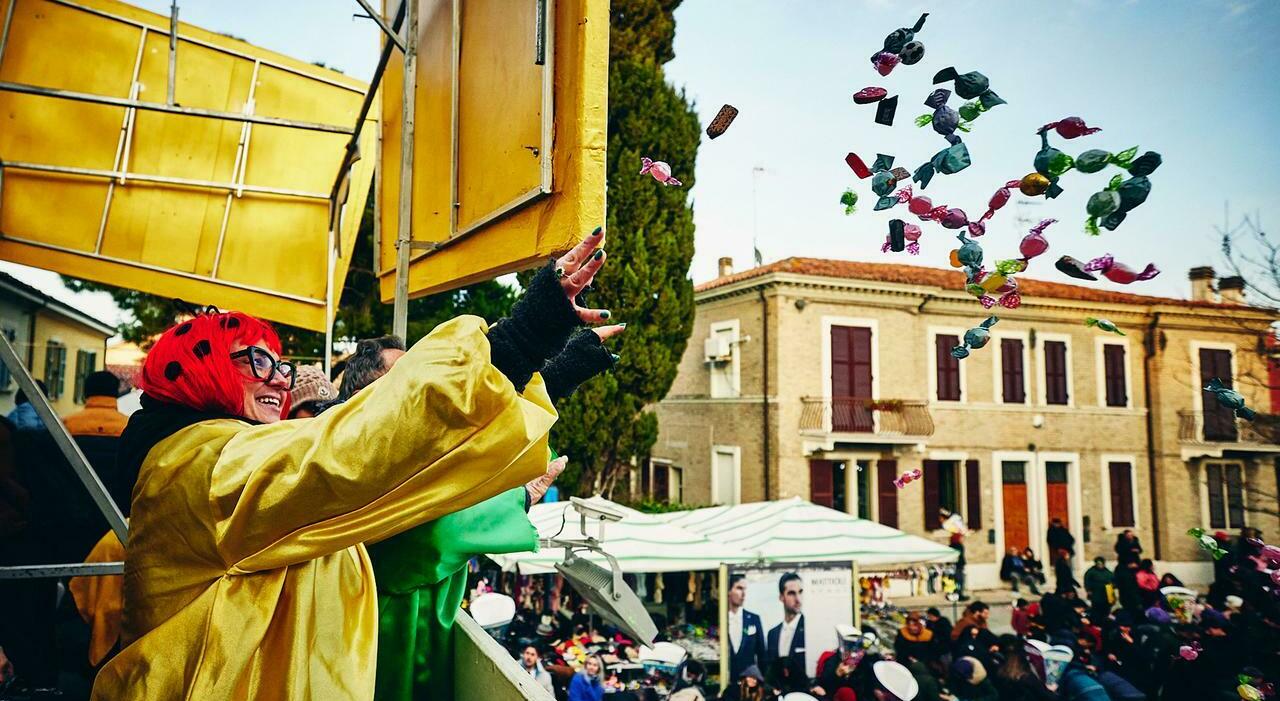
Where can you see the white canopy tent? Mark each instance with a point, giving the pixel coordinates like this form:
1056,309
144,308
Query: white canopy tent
790,530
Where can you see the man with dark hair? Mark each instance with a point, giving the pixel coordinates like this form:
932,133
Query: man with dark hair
372,359
746,635
786,640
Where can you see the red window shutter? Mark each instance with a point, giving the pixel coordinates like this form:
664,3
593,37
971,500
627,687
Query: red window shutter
1219,421
841,363
860,361
1217,510
1113,362
661,483
1011,371
948,369
886,492
932,521
1121,494
1055,372
972,495
821,483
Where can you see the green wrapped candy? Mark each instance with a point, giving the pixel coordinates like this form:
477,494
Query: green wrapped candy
948,161
1133,192
850,201
1103,203
1103,324
969,111
882,183
1145,164
1092,161
1012,266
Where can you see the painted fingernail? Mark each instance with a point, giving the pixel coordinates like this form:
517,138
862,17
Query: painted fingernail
605,314
598,230
623,324
615,357
559,273
599,254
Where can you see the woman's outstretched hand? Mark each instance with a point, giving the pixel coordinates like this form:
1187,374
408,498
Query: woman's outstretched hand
577,268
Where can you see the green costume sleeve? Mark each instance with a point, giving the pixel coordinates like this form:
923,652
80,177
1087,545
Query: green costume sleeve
422,578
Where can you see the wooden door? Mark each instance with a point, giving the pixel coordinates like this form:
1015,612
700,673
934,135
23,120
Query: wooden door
1017,529
1055,477
1219,421
851,379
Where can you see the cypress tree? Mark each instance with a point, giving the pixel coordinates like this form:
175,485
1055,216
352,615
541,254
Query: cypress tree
649,237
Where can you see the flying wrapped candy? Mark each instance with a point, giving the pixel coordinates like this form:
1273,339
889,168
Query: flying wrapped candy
1190,652
953,217
900,46
722,120
1032,245
885,111
1207,543
1249,692
869,95
948,161
969,86
850,201
945,120
1119,272
975,338
1074,268
884,177
907,478
1104,324
902,236
1070,128
659,170
1230,399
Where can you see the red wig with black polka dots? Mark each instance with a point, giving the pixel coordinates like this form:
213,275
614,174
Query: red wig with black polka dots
191,363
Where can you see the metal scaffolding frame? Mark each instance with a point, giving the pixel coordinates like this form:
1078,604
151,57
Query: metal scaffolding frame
120,175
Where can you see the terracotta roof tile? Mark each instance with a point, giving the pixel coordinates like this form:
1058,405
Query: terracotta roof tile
944,279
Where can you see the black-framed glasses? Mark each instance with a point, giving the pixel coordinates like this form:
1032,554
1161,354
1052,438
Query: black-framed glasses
265,367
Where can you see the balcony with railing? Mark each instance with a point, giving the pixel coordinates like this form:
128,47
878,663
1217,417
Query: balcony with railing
1211,432
858,420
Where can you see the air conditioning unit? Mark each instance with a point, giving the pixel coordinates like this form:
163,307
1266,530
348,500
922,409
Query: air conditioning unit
717,349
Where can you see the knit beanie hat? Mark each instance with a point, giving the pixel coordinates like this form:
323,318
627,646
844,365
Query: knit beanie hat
312,385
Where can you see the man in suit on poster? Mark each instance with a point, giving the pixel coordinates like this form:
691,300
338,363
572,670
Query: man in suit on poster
787,672
746,635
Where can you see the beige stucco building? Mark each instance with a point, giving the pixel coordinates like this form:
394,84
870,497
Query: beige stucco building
827,379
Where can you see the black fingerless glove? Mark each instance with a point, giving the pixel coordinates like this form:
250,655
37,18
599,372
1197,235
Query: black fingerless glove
582,359
537,328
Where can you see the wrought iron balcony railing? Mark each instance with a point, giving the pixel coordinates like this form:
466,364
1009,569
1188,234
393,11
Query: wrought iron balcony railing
1222,427
878,417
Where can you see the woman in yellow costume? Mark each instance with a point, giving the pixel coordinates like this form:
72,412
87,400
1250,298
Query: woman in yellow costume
245,574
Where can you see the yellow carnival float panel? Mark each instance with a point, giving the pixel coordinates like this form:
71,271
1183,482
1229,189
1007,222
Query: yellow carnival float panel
509,138
202,170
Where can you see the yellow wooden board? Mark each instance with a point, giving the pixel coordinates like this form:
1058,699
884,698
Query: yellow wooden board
261,253
522,176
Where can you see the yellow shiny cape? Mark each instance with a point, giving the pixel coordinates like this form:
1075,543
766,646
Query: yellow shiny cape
245,574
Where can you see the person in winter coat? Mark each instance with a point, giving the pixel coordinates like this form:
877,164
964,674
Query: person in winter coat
969,681
1060,540
1128,549
915,641
246,575
1064,578
750,687
1148,584
1014,571
1015,681
1126,583
588,682
1097,584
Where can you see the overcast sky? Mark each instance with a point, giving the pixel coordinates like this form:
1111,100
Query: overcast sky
1192,79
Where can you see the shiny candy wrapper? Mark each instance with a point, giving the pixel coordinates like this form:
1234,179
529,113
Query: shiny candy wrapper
1249,693
975,338
886,109
1207,543
1094,160
659,170
1032,245
1034,184
971,85
900,45
885,62
869,95
948,161
907,478
1103,324
1145,164
1073,268
855,164
902,236
1230,399
722,120
850,201
1070,128
1119,272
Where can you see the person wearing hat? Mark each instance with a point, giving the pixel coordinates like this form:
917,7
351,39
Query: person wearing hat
969,681
750,687
915,641
311,390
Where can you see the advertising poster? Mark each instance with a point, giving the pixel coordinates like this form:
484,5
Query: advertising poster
783,615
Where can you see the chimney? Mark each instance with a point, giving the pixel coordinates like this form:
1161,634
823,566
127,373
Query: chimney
1201,283
726,266
1231,289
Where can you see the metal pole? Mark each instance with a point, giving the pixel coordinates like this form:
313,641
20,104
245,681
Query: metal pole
66,444
386,28
4,33
173,48
330,264
400,319
80,569
172,109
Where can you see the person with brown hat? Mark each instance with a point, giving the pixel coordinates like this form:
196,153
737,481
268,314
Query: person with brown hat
311,389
